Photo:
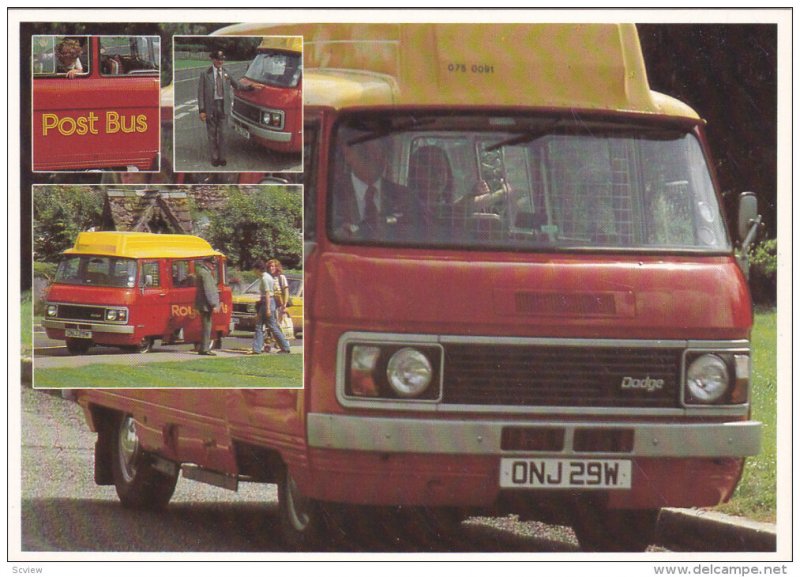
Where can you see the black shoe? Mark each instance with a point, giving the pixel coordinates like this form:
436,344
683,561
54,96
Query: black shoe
223,162
215,162
284,352
207,353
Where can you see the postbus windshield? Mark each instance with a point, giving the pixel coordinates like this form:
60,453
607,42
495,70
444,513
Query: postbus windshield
522,183
276,68
103,271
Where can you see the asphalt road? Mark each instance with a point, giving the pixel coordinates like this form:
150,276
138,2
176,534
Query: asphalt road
191,141
63,510
49,353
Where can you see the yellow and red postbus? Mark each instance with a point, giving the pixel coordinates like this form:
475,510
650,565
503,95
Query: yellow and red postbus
522,297
129,289
273,115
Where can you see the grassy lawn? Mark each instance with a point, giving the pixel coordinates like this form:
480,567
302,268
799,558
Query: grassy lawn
755,497
263,371
182,64
26,324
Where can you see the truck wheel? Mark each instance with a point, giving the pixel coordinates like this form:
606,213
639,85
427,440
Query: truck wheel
301,519
78,346
614,530
144,346
139,485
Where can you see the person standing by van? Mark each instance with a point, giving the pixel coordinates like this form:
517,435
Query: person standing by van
206,301
266,313
213,101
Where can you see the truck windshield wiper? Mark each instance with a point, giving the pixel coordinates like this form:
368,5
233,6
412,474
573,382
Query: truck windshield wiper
525,137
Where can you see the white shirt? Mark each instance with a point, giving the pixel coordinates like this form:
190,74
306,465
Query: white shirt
360,189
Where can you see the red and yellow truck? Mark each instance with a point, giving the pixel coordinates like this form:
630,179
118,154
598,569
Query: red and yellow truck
553,322
129,289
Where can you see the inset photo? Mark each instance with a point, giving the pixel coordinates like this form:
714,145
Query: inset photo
238,103
169,287
96,103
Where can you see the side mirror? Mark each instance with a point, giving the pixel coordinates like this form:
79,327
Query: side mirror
748,215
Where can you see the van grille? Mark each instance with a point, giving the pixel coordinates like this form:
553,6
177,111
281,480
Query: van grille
248,111
81,313
560,376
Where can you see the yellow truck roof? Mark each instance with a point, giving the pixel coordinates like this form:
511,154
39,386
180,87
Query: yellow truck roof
141,245
288,43
584,66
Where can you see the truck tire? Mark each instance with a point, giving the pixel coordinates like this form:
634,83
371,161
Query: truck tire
302,520
139,485
599,529
143,346
78,346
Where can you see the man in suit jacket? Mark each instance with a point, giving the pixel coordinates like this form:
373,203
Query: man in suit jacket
369,206
213,101
206,301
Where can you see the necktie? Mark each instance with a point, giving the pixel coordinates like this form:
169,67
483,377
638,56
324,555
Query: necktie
218,74
370,208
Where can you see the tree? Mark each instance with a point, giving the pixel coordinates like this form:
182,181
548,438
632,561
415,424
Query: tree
259,223
59,214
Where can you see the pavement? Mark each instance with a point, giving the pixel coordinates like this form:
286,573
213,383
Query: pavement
684,529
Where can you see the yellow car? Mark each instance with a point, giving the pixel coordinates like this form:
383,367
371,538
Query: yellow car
244,308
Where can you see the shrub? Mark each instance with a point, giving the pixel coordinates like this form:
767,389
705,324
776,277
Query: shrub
764,271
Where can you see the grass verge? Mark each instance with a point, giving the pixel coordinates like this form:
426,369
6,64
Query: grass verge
26,324
755,498
262,372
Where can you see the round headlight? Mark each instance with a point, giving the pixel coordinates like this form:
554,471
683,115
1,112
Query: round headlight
111,315
707,379
52,310
409,372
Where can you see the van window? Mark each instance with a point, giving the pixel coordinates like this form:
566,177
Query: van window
524,183
276,68
151,269
97,271
181,274
129,55
57,55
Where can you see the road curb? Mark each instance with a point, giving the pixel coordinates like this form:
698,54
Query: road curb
686,528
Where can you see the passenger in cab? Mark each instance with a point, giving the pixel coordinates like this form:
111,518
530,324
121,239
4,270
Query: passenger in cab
68,53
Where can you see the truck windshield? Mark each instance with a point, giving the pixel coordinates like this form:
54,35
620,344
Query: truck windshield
97,271
276,68
522,183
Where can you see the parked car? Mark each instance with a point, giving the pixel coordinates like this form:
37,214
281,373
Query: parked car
244,308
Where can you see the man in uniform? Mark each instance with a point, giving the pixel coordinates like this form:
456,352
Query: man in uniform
206,301
213,101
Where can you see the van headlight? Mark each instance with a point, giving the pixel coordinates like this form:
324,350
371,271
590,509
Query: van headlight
392,371
707,379
117,315
52,310
409,372
272,118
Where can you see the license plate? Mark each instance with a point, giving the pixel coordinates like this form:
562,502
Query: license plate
565,473
241,130
78,333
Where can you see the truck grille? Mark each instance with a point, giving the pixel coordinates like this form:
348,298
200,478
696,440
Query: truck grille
248,111
81,313
561,376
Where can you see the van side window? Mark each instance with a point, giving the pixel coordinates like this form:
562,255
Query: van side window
129,55
181,274
152,270
58,55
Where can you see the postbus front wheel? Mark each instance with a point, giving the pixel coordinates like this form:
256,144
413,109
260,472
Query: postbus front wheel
78,346
302,520
139,485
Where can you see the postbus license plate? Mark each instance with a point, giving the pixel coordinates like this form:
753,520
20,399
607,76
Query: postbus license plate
78,333
241,130
565,473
